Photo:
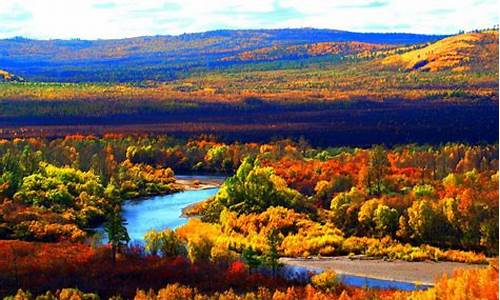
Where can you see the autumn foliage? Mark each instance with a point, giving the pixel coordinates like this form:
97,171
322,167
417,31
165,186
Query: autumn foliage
283,198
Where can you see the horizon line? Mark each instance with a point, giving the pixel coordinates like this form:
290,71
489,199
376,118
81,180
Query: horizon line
495,27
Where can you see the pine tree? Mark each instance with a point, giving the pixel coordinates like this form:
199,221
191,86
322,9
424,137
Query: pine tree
251,258
271,257
116,231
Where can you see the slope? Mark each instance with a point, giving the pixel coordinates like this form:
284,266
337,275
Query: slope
306,50
163,58
464,52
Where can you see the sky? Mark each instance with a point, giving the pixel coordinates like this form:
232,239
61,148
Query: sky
105,19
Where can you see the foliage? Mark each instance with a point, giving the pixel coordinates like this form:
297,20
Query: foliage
463,284
164,242
271,256
60,189
135,59
325,280
116,231
254,188
444,196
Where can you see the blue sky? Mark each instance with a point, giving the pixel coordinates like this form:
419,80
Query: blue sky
94,19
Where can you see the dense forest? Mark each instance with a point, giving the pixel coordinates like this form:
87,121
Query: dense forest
286,198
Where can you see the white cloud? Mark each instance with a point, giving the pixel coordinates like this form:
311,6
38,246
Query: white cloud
91,19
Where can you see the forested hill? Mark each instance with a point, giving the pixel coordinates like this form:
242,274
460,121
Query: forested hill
6,76
164,57
476,51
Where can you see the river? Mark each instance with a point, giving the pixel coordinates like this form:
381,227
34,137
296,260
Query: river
160,212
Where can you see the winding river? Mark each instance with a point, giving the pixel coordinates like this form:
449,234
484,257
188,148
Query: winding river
160,212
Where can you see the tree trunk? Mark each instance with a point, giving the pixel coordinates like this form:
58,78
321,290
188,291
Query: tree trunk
113,254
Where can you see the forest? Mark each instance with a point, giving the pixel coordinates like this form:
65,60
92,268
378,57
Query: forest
283,198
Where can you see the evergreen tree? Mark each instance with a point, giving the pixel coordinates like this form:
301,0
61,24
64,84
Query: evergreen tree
116,231
251,258
271,257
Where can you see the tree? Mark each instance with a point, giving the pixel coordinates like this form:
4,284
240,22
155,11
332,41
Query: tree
424,191
64,189
255,188
271,256
386,219
378,167
251,258
421,218
366,214
166,242
116,231
344,207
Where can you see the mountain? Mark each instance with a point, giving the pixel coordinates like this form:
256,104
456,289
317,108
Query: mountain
306,50
463,52
165,57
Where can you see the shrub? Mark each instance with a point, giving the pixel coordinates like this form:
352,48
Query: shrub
326,280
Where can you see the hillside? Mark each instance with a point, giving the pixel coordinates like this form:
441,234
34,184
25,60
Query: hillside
463,52
354,101
6,76
306,50
164,57
463,66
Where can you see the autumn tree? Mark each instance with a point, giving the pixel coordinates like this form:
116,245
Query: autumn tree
422,220
344,208
165,242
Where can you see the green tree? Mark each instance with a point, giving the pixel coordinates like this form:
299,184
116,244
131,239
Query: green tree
421,218
251,258
424,191
255,188
271,255
386,220
115,228
378,167
344,207
164,242
65,189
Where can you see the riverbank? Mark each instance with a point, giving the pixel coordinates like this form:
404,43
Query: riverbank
425,272
196,183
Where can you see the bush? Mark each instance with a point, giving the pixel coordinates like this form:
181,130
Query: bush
326,280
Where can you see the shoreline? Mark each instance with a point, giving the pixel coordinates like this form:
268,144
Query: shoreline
419,272
197,184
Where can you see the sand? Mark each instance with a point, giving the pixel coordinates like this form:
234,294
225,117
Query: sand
198,184
415,272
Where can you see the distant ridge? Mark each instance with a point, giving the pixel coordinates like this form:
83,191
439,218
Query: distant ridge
163,57
306,50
